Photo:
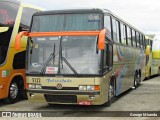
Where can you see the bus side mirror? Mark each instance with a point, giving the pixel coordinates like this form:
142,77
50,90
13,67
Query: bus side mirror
18,39
101,39
147,50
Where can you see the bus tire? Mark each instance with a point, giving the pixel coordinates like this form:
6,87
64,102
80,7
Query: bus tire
139,78
23,93
135,84
13,95
111,92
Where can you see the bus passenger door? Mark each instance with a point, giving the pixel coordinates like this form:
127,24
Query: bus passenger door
108,57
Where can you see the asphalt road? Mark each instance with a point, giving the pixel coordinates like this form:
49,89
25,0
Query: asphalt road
145,98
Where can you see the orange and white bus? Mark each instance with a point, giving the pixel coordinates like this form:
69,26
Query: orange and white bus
83,56
14,17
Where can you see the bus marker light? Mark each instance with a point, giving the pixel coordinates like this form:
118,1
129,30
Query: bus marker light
1,86
97,87
84,103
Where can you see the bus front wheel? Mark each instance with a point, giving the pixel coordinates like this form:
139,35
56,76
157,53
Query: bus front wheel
111,93
13,94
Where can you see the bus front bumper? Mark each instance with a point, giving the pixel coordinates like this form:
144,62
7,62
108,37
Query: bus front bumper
65,96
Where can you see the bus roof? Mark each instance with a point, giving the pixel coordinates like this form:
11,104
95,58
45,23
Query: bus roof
70,11
90,10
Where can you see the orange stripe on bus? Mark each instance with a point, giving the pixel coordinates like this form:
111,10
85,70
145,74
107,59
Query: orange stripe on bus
70,33
101,34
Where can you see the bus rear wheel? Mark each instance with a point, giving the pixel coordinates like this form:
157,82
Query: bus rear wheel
13,94
135,83
136,80
139,78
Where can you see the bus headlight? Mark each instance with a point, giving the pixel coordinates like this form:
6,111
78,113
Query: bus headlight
82,87
38,87
35,86
32,86
90,87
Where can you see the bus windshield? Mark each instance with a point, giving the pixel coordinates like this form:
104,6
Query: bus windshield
63,55
8,13
66,22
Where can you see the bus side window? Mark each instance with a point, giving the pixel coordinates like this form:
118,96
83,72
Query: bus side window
140,41
129,36
143,45
107,25
151,44
134,38
137,39
118,31
114,30
123,34
144,42
26,18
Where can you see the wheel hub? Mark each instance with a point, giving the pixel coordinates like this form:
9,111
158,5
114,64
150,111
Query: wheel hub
13,90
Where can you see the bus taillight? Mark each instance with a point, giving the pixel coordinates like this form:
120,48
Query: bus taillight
1,86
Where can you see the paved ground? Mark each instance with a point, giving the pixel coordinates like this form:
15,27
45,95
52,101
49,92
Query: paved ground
145,98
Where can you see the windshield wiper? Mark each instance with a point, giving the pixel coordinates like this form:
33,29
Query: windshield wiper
69,65
64,59
52,56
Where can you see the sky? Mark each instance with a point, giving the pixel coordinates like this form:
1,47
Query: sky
142,14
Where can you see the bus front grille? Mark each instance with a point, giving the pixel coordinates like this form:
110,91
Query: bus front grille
64,88
61,98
